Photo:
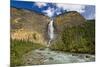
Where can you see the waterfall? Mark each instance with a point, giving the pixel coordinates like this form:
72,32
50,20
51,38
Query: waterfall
50,31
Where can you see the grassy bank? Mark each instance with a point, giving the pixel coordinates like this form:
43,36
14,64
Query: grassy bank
19,48
77,39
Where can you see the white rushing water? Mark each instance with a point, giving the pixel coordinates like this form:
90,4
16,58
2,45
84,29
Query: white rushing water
51,31
46,56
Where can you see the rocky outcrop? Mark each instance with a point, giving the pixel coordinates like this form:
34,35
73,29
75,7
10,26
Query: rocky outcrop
28,25
68,19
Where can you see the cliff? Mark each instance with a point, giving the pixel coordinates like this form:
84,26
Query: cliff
28,25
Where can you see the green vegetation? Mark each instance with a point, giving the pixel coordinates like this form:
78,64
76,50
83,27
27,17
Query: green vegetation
19,48
78,39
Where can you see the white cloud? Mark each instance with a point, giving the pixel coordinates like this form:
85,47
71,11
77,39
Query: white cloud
49,12
58,13
69,7
40,5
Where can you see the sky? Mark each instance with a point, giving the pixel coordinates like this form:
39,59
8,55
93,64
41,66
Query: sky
54,9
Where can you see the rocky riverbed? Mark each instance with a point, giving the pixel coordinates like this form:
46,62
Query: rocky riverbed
46,56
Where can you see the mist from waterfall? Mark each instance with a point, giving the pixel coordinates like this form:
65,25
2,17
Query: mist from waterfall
51,31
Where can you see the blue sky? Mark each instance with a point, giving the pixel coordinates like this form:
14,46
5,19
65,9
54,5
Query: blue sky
54,9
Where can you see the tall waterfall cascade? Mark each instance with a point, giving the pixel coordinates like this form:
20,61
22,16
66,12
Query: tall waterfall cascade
50,31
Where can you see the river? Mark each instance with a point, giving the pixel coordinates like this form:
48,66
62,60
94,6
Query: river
47,56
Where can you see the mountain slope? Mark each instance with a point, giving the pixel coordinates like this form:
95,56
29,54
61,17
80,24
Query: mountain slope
74,33
28,25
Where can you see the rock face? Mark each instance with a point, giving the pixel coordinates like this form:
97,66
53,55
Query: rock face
69,19
74,33
28,25
32,26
